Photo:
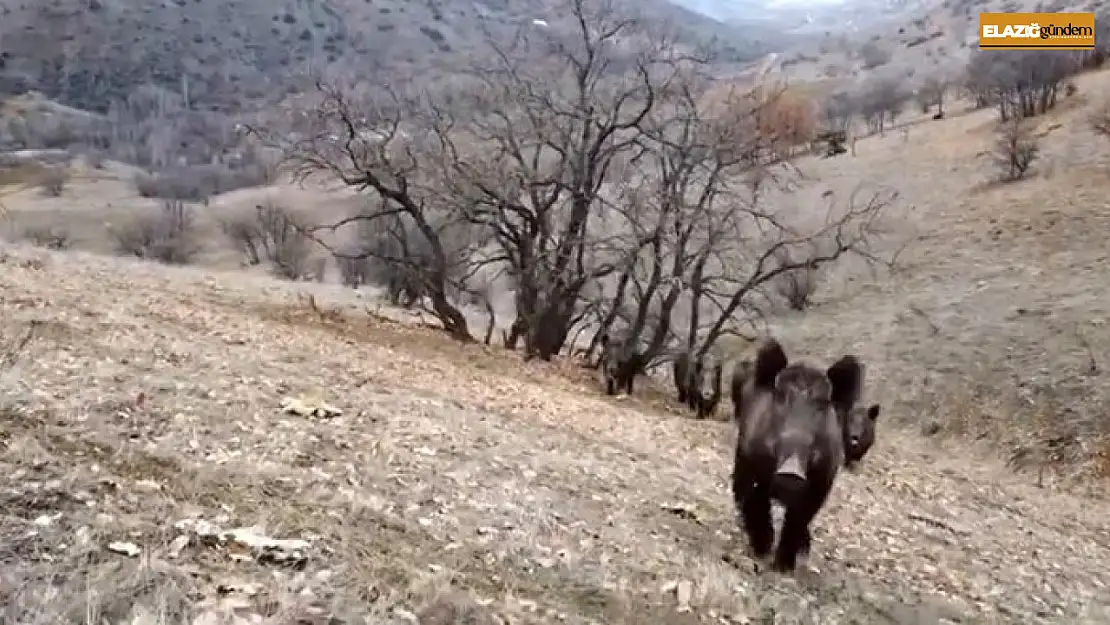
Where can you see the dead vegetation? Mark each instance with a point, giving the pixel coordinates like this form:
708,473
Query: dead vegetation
603,200
166,234
179,443
1100,120
359,470
1015,148
53,182
272,235
49,237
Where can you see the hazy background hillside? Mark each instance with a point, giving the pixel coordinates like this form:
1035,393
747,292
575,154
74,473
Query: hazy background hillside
908,40
225,54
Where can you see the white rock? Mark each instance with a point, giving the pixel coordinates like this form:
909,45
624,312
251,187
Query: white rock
124,548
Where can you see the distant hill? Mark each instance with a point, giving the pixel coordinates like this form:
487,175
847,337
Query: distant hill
908,40
222,54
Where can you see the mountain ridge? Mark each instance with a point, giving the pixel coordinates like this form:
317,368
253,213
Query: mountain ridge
90,53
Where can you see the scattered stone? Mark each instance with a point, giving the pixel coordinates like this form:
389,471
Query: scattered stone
684,592
248,589
178,545
279,551
149,486
304,406
683,511
142,616
47,520
130,550
286,552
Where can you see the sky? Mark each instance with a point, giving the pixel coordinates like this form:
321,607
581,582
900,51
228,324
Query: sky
800,4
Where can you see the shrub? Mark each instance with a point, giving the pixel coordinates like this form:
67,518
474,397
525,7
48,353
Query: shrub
1015,148
873,55
170,187
168,235
50,237
1100,121
37,130
272,235
354,270
53,181
199,182
797,287
94,157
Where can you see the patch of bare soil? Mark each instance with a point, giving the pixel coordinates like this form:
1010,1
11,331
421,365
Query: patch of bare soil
183,447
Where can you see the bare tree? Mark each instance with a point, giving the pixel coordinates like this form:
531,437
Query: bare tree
932,93
838,111
678,216
1015,148
881,101
873,55
706,240
1100,120
391,252
1021,83
366,141
582,169
550,118
984,79
272,235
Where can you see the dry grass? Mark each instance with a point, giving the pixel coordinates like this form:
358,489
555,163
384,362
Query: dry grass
924,39
151,394
156,397
994,318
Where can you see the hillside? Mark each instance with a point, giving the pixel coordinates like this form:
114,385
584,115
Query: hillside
228,54
157,397
203,443
906,40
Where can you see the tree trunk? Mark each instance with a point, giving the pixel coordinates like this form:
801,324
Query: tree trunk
547,338
515,333
492,322
454,322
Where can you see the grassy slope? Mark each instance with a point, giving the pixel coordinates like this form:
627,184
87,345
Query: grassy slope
930,39
449,465
156,396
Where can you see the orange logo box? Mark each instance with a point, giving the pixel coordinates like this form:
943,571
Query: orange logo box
1036,31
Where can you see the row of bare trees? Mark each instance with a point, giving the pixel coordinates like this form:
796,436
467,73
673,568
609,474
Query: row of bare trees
1019,83
1027,83
878,102
579,176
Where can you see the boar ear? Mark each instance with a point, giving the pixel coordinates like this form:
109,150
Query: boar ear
846,378
873,411
770,360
